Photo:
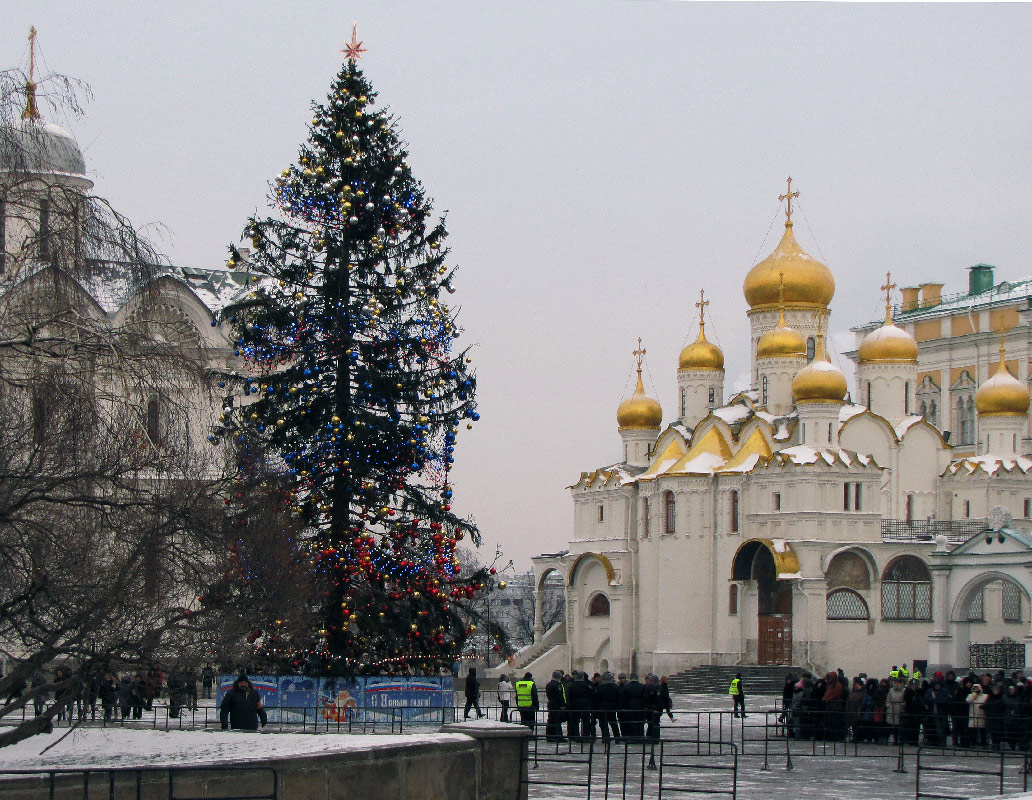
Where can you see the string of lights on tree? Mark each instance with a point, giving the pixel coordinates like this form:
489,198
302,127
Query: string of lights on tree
354,386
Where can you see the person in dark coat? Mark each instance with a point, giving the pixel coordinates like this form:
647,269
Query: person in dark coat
581,695
241,708
633,703
472,694
139,695
664,696
994,716
555,698
653,707
607,703
125,695
39,701
108,694
207,681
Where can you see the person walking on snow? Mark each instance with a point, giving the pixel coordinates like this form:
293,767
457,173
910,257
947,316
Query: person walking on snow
737,694
472,694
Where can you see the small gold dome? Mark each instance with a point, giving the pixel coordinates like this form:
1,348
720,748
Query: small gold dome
639,410
820,380
1002,395
781,341
888,344
807,281
701,354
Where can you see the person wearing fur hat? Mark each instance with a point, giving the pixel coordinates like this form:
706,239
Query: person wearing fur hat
241,708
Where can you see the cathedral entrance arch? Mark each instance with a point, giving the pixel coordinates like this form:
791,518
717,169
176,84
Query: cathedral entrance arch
763,567
980,593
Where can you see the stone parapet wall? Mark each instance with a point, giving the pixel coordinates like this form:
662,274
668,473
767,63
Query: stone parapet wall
483,764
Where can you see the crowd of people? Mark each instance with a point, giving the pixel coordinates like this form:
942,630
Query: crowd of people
987,710
113,695
579,707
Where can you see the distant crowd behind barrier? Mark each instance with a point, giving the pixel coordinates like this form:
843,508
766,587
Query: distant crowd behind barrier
291,698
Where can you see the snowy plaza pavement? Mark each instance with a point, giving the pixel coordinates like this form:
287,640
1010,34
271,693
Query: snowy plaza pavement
689,769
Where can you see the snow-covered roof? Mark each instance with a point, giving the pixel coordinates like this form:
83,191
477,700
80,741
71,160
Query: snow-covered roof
906,424
733,414
803,455
988,464
850,410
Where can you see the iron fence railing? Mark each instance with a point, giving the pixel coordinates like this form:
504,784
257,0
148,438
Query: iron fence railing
120,783
925,530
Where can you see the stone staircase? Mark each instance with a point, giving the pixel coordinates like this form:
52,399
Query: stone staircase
714,679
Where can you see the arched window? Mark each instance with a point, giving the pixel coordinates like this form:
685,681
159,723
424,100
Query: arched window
906,397
847,604
732,599
910,509
712,397
734,511
906,590
869,396
154,420
645,518
811,349
1011,602
669,513
598,606
848,570
764,384
976,610
684,402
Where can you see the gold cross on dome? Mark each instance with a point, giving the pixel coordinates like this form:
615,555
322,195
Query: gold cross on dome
788,196
31,110
32,52
887,288
639,353
354,49
701,305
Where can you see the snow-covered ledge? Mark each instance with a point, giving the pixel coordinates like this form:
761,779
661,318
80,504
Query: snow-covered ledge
467,762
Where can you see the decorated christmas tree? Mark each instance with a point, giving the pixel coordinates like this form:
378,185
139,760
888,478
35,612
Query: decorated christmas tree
356,389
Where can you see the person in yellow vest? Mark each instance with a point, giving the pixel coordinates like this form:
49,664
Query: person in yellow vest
894,673
904,673
527,700
737,693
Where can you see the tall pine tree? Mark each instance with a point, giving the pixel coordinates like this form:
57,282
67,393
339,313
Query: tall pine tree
356,387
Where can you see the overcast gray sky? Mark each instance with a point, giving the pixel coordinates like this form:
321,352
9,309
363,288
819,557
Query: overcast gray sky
600,162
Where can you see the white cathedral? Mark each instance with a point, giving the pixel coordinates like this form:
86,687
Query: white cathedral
789,525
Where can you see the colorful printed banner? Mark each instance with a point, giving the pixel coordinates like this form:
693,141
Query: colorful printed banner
300,698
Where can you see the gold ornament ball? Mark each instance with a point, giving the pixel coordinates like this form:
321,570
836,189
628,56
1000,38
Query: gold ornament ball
502,584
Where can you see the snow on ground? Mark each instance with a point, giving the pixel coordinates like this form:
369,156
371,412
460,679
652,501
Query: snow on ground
129,747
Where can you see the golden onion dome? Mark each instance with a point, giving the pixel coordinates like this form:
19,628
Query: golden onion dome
781,341
807,282
701,354
888,344
820,380
639,410
1002,395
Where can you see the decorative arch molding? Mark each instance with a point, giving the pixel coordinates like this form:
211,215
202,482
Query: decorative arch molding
785,559
45,281
863,552
598,606
546,574
975,585
166,295
867,414
605,562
